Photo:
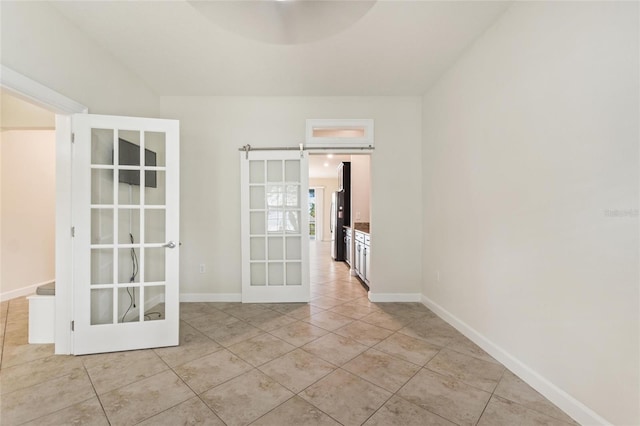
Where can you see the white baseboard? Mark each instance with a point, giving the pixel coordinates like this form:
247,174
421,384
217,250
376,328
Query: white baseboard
211,297
19,292
574,408
394,297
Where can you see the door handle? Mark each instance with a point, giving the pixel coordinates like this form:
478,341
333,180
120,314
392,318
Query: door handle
170,245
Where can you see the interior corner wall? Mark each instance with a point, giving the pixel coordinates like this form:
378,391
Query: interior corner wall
39,43
27,215
330,186
360,188
530,199
213,128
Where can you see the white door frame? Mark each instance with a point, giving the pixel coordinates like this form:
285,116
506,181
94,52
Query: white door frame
36,93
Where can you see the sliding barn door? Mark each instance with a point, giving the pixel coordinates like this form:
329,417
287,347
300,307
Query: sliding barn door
275,226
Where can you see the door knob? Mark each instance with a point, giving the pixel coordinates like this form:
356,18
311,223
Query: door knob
170,245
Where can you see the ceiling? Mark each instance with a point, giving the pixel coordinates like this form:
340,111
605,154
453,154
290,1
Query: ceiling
389,47
325,166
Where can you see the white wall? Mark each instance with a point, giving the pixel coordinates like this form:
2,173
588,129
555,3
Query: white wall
530,151
330,186
38,42
360,188
18,114
212,130
27,214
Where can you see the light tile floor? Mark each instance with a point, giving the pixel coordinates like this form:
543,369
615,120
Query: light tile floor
337,360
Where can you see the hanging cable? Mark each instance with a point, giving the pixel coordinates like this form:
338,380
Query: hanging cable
134,274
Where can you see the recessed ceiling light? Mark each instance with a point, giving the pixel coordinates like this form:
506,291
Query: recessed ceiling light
326,164
329,155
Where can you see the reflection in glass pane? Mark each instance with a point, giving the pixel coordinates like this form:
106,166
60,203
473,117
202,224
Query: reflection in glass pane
128,226
256,171
129,176
129,304
102,146
102,266
101,186
154,143
258,251
294,273
275,221
128,194
129,265
101,306
258,274
256,225
293,196
154,264
133,137
276,274
154,225
275,195
292,170
276,248
294,249
256,197
128,163
292,221
101,226
154,303
274,171
154,191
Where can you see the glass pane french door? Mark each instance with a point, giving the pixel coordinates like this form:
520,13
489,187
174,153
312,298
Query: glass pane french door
125,208
275,227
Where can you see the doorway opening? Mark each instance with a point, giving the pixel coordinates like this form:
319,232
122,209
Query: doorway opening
36,94
28,146
327,171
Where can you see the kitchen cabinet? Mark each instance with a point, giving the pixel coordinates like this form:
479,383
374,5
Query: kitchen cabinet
357,254
367,258
362,255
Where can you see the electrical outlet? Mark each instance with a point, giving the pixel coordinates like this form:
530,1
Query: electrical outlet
203,268
357,215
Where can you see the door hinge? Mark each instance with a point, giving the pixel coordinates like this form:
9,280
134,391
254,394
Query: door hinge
73,326
73,138
73,231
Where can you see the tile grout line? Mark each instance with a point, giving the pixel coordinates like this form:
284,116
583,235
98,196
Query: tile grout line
95,391
393,393
67,406
294,348
185,383
491,397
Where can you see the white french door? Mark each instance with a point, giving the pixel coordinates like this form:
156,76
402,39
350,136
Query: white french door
125,210
275,226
